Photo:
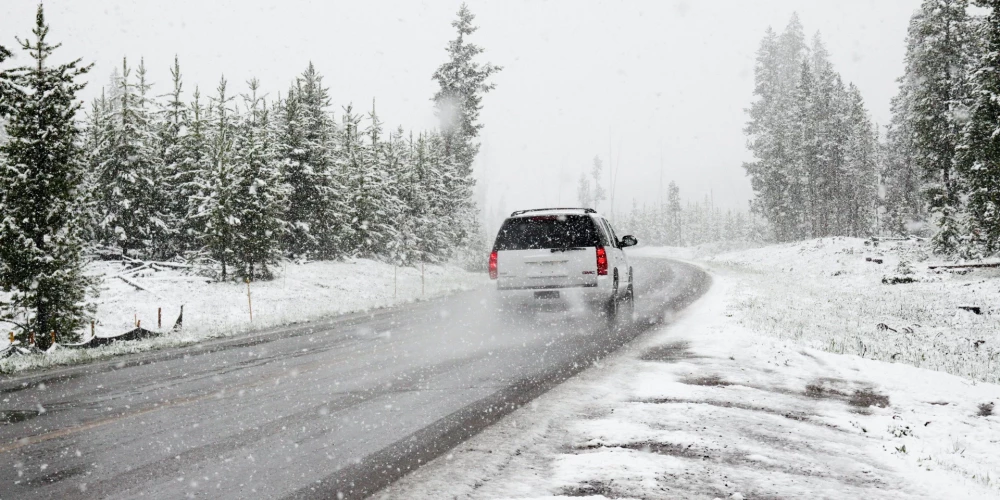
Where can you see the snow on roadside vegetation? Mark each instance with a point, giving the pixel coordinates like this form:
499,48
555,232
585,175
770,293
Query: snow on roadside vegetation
301,292
707,408
836,294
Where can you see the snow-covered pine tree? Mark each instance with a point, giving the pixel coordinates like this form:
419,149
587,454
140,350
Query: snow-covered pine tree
937,57
802,175
448,208
327,220
5,88
218,190
821,210
96,132
41,173
858,188
769,128
674,235
374,201
306,147
584,195
131,206
901,179
156,196
418,202
980,155
260,193
297,175
192,171
403,186
176,165
431,230
600,194
462,83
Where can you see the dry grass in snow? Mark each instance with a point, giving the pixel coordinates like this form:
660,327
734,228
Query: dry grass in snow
834,294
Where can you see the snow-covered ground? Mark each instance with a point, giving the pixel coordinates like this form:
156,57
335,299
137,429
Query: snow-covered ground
731,401
831,294
301,292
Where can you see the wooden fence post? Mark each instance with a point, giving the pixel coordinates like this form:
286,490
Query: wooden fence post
53,337
159,318
249,300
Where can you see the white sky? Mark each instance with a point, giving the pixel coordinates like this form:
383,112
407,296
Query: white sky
657,78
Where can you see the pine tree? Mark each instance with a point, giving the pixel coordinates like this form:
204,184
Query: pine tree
403,174
312,170
584,195
96,133
937,56
674,235
132,216
772,135
175,164
260,194
801,194
901,178
218,190
462,83
41,171
859,186
192,170
595,172
980,156
6,89
156,196
375,202
429,230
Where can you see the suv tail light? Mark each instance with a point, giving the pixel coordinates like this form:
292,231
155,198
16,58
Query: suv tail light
493,265
602,262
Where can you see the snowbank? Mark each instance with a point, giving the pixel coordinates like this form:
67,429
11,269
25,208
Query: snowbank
883,301
301,292
708,408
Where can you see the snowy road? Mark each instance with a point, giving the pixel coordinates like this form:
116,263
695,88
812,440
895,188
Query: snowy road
309,411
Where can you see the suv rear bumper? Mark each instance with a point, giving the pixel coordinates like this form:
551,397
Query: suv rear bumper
583,295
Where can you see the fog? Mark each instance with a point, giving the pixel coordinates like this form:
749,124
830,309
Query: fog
660,87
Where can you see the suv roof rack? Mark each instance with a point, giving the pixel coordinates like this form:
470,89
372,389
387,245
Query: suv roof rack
585,210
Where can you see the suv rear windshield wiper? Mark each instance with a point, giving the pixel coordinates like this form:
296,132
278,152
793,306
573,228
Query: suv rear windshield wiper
567,249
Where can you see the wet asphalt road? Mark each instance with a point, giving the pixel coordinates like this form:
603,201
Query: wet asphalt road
307,411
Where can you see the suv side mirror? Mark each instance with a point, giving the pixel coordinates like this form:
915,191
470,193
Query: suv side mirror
628,241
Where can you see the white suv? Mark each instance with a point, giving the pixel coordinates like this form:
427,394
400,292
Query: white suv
563,255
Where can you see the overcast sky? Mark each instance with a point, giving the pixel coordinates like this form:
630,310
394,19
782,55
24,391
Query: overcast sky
652,80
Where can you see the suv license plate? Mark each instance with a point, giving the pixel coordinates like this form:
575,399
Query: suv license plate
546,295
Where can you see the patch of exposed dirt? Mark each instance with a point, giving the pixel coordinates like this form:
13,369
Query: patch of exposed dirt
590,488
669,353
792,415
819,392
865,398
711,380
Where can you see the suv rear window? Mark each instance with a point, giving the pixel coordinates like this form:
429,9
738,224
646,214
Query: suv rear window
547,231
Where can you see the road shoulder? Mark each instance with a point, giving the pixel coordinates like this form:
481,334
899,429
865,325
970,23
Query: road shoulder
705,408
